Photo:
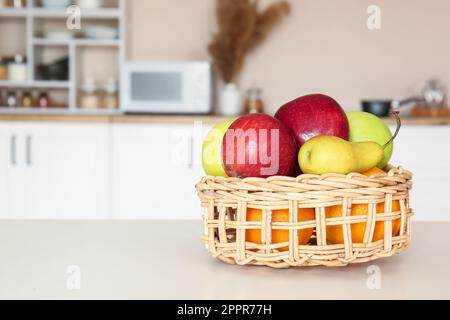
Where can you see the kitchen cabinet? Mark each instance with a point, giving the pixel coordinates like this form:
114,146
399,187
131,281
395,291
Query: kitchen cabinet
150,183
120,170
6,142
425,151
55,171
68,171
10,186
155,169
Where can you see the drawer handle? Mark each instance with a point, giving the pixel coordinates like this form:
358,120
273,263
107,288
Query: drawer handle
29,150
13,150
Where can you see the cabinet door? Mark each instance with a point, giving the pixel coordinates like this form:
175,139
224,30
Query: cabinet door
6,142
67,170
424,151
155,169
12,184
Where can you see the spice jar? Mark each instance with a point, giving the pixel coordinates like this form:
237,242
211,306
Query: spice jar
17,70
3,69
26,100
19,4
111,98
43,100
89,96
11,99
253,102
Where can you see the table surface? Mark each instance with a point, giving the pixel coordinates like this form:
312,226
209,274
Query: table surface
167,260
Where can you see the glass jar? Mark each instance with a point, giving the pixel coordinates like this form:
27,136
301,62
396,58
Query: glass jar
17,70
89,96
3,69
111,97
253,102
11,99
26,100
18,4
43,100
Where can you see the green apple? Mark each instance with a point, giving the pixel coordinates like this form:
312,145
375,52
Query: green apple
212,150
368,127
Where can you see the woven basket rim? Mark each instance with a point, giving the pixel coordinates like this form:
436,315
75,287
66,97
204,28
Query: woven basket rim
391,172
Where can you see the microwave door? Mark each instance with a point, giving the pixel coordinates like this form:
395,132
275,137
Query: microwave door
159,92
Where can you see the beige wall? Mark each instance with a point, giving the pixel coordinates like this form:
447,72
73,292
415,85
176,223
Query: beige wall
324,46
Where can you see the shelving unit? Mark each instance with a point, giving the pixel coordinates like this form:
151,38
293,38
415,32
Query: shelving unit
34,15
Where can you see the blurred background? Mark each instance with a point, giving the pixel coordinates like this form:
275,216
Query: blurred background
104,103
323,46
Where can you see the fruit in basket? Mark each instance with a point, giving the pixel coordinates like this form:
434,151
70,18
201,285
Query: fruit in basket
279,236
335,233
368,127
258,145
212,149
314,115
330,154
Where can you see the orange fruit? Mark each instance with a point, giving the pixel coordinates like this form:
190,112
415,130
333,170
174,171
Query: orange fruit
335,233
254,235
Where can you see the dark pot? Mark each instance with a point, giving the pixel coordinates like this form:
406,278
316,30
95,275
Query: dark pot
380,108
59,70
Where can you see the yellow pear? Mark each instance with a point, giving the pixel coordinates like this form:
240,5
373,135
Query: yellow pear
330,154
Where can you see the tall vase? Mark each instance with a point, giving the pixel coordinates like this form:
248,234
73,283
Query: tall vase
230,103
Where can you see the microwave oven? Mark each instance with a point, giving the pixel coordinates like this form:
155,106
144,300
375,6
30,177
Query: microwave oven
167,87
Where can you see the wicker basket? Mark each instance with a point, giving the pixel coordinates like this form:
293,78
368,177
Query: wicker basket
226,200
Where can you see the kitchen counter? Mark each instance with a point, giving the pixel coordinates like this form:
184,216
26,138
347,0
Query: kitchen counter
111,118
166,260
177,119
421,121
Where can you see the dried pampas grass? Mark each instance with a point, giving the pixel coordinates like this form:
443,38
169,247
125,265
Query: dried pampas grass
241,28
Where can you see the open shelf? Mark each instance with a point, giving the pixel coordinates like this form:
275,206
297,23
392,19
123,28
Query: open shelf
97,42
104,13
77,42
13,37
13,13
58,111
50,42
21,110
39,84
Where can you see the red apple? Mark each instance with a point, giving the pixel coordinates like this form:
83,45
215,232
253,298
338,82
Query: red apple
314,115
258,145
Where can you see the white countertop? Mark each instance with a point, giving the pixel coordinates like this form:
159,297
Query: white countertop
166,260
